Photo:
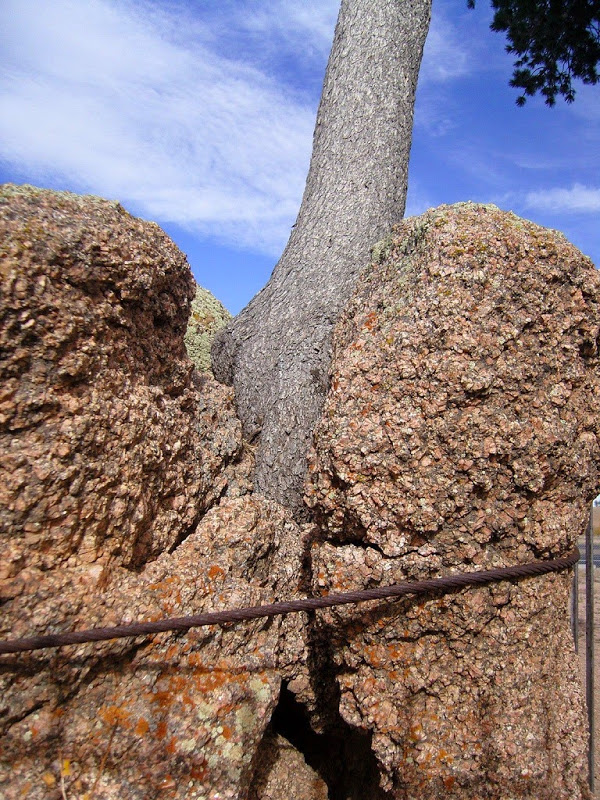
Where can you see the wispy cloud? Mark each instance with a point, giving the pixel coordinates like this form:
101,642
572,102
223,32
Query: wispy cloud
307,27
446,57
129,100
578,199
417,201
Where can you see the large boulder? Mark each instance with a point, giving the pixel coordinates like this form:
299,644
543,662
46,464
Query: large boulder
460,433
174,715
115,454
111,447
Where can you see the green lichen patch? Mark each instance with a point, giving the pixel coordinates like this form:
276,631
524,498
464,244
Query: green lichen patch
207,316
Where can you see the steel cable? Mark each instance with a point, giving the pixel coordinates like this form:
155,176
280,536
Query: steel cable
443,584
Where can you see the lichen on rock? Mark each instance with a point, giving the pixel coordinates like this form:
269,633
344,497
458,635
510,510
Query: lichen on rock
461,432
207,316
170,715
124,497
111,446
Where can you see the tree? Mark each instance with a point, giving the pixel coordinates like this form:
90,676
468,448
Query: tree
555,41
276,352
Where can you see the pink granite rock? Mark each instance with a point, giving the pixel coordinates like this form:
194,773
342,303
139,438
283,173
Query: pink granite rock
282,772
109,448
169,716
460,433
113,453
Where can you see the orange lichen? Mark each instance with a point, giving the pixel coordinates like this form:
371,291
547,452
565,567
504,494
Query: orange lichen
215,572
373,656
177,683
114,715
370,322
207,681
161,729
141,729
163,585
162,699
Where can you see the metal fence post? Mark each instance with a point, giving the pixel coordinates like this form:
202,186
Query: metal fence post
575,607
589,643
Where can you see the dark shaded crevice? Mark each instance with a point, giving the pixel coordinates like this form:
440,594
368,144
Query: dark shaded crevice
183,535
341,755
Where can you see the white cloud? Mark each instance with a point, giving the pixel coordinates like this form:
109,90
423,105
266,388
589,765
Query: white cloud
417,201
127,100
577,199
445,57
307,27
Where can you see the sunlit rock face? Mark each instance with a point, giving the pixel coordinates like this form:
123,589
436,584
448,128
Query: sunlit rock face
124,497
111,447
461,432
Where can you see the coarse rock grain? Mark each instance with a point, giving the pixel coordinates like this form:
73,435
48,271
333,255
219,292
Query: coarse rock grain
112,448
174,715
282,773
460,433
207,317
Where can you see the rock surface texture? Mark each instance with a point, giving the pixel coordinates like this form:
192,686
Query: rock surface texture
115,454
461,432
108,443
207,317
282,772
169,716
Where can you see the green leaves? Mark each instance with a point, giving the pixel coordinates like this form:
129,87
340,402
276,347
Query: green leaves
555,41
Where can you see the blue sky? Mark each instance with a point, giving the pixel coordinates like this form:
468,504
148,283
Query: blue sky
199,116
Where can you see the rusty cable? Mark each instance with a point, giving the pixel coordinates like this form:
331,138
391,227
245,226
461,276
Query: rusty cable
443,584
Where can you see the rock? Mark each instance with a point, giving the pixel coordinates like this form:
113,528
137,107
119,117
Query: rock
115,454
112,448
207,317
461,433
174,715
283,773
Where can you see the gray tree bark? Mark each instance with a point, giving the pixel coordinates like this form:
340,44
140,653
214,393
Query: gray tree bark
276,352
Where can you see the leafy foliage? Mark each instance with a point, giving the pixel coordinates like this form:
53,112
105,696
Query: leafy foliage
555,41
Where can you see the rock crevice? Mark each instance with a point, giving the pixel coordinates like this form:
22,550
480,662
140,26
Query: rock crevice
459,432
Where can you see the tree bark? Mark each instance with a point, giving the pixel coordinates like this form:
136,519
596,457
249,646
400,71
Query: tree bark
276,352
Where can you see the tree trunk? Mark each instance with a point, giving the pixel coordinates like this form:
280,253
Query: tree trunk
276,352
